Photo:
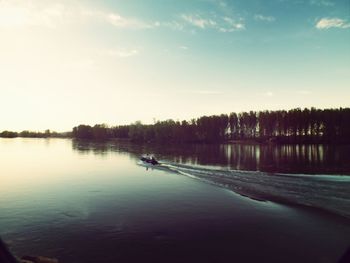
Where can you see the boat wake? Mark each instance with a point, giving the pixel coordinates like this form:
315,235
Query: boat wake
327,192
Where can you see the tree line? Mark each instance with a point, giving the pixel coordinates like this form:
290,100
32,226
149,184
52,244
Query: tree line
33,134
281,126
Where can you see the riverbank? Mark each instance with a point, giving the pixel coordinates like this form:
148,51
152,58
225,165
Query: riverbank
276,140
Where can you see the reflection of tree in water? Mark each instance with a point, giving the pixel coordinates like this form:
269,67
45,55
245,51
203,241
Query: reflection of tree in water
87,147
267,158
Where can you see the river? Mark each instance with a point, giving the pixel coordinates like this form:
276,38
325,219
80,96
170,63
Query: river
95,202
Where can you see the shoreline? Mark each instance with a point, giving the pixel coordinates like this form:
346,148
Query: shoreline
228,142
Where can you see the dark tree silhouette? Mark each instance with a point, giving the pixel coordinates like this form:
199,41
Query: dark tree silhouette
292,126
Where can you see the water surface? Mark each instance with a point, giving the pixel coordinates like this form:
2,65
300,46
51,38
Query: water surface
93,202
307,158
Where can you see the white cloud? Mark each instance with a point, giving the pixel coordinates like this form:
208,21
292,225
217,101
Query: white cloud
18,14
174,25
231,25
198,21
40,13
183,47
322,2
264,18
222,4
326,23
232,29
118,20
123,22
221,24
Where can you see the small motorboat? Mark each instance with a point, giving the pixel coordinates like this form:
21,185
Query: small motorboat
149,160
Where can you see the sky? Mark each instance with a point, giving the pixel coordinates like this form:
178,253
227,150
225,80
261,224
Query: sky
65,63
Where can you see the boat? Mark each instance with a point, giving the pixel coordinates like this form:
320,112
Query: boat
149,160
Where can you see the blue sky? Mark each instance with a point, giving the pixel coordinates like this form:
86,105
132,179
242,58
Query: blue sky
63,63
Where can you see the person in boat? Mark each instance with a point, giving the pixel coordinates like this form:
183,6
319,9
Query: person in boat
149,159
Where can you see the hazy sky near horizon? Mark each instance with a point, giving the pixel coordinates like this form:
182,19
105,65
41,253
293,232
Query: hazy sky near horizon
63,63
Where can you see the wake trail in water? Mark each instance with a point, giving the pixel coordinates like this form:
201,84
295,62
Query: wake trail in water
327,192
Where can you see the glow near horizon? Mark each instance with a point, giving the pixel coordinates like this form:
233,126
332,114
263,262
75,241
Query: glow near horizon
71,62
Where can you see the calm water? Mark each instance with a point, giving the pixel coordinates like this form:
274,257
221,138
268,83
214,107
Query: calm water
93,202
309,159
